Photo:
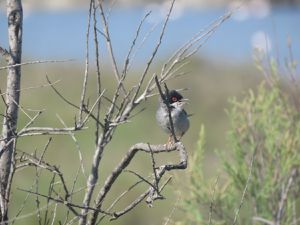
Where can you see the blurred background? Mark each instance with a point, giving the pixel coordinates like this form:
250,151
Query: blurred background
223,68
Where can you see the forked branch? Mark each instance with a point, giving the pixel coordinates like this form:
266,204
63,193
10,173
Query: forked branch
160,171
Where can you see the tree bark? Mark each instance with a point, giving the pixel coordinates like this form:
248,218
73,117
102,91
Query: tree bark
8,139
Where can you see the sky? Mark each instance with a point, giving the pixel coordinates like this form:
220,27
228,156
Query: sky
61,34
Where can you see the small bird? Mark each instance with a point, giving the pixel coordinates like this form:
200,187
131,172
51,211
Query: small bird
178,114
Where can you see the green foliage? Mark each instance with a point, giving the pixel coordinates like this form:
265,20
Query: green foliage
263,161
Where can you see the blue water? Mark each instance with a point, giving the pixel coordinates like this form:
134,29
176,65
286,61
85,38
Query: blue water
59,35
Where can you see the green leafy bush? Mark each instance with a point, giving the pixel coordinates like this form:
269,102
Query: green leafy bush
260,182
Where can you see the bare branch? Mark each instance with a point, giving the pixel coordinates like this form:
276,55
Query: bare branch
265,221
10,98
3,99
154,170
37,200
99,85
31,131
35,62
246,186
155,51
68,204
34,87
125,162
141,178
31,121
74,105
136,202
92,179
15,27
54,214
212,201
130,206
22,206
284,195
166,102
77,147
109,45
33,213
127,59
4,53
173,210
60,95
92,109
72,192
139,47
86,72
124,193
45,149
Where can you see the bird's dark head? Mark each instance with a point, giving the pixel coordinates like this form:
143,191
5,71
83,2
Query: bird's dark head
174,96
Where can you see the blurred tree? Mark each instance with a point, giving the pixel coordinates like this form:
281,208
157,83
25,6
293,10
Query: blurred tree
261,178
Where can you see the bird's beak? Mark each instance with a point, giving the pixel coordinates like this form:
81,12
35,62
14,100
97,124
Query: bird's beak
185,101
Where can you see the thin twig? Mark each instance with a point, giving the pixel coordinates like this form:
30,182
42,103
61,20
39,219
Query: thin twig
72,192
93,107
99,85
110,46
170,114
127,59
73,105
35,62
31,131
35,87
162,33
120,197
33,213
284,196
68,204
173,209
31,121
246,187
137,201
19,106
54,214
86,71
166,102
265,221
154,170
142,178
22,206
38,173
77,146
50,190
4,52
212,201
125,162
140,46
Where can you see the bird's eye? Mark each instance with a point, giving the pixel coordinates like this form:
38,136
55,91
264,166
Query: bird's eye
174,99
